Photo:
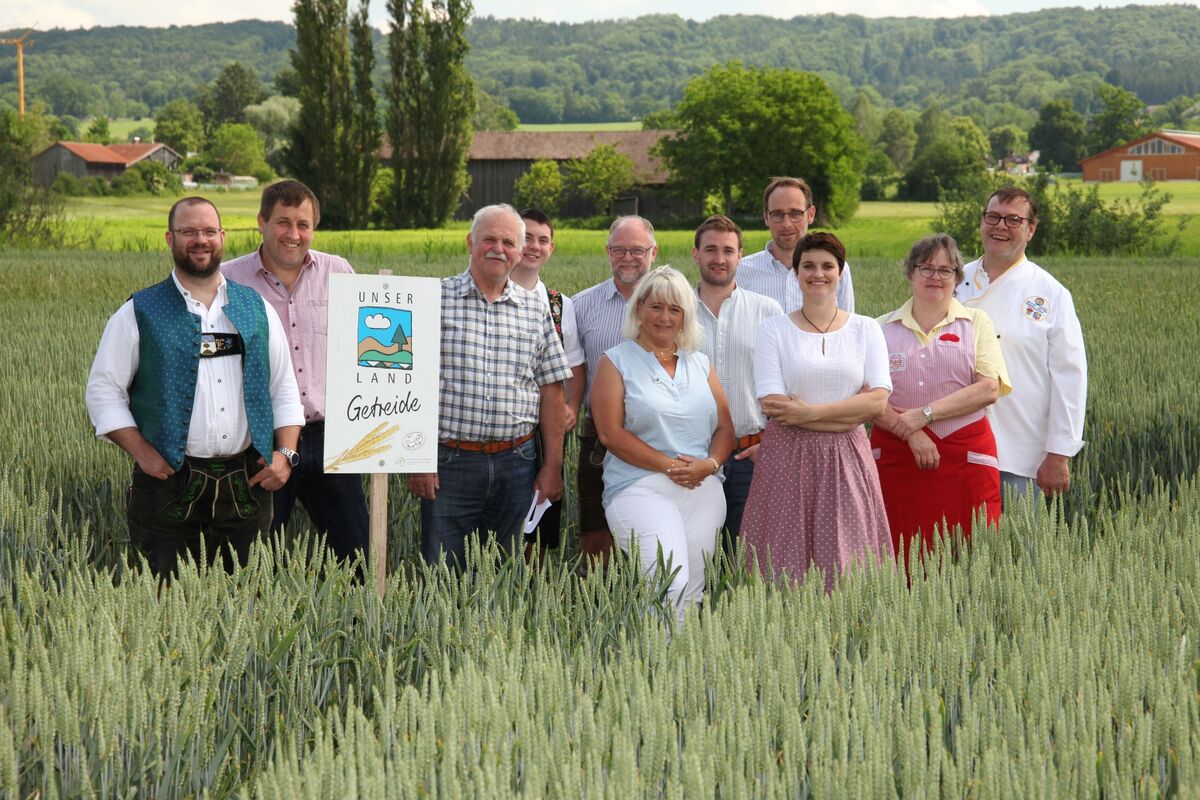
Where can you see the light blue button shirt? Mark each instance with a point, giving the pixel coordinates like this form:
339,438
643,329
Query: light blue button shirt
676,416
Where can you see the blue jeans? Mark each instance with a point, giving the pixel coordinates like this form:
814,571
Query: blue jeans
335,503
738,475
477,492
1017,485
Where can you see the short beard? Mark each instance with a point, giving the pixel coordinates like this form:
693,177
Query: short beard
184,262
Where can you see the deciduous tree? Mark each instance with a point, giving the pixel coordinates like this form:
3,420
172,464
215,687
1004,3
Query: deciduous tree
1006,140
1119,121
740,126
540,187
492,115
1058,135
951,153
898,138
601,175
180,125
237,149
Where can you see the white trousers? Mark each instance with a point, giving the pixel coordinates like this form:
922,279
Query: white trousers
657,513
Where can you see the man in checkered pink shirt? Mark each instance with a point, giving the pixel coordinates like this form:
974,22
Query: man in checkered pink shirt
294,279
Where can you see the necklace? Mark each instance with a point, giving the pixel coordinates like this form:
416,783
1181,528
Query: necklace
662,355
817,327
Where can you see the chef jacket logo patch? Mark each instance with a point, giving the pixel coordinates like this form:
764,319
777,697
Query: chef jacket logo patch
897,362
1036,308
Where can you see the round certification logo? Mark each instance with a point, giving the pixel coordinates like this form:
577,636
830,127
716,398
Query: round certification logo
1036,308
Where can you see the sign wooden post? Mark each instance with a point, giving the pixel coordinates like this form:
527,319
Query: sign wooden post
381,386
378,507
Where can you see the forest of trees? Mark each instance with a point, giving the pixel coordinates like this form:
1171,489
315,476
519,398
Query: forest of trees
997,70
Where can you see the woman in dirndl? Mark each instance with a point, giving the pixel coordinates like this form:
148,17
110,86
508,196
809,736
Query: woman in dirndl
933,445
820,373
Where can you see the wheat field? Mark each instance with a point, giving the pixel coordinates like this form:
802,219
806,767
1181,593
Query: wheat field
1057,656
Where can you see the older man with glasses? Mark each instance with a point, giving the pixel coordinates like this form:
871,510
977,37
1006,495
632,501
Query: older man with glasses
1039,426
788,210
598,313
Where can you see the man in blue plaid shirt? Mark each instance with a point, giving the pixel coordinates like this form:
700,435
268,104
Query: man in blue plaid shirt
501,374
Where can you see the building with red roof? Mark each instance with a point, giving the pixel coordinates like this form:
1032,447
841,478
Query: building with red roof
87,160
1164,155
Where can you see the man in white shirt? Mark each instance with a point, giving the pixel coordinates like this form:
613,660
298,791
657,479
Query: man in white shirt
539,246
192,378
788,210
730,317
1039,425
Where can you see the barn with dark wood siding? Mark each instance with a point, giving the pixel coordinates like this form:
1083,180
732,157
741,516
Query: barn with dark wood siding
88,160
498,158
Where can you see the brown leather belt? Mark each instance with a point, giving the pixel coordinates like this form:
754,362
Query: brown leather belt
487,448
748,441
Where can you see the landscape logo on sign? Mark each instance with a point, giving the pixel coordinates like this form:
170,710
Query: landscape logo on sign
384,338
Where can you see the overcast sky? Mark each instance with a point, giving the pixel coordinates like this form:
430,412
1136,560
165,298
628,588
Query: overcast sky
45,14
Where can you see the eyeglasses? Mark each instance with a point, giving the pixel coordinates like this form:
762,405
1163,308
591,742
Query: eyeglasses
621,252
1010,220
943,273
196,233
792,214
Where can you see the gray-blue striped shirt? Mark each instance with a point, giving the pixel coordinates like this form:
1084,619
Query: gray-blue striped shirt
599,311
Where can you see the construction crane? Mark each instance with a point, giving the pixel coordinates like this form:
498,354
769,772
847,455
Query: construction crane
21,43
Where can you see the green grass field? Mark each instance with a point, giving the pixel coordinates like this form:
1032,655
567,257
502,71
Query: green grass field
120,128
877,230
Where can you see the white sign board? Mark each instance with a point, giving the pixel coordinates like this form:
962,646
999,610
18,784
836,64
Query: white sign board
381,374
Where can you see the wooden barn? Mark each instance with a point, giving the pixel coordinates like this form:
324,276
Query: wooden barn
1165,155
87,160
498,158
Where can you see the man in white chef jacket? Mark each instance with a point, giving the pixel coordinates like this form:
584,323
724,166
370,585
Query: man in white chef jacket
1039,426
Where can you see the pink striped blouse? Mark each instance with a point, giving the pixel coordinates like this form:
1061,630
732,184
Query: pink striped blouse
926,367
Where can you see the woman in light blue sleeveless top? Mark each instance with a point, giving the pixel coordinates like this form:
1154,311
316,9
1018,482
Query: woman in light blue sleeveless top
660,411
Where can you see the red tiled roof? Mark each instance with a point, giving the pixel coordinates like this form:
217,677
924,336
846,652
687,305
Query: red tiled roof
1182,138
124,154
94,153
134,152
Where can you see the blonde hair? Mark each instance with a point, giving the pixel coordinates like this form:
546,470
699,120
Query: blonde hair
667,285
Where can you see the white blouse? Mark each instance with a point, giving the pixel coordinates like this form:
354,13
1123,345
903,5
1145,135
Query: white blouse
790,361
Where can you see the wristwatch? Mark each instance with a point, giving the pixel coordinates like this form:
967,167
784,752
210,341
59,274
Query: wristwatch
928,412
291,455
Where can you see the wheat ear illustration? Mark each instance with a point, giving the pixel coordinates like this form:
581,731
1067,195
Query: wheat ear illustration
374,443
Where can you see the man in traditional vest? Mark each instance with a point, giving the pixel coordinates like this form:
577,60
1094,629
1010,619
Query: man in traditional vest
192,378
539,246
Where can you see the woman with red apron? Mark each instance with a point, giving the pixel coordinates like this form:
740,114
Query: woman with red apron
933,445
